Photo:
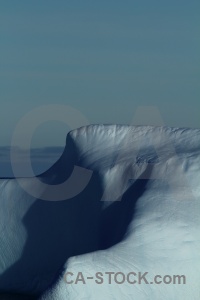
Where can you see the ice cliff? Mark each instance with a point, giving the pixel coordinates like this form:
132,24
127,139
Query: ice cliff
131,203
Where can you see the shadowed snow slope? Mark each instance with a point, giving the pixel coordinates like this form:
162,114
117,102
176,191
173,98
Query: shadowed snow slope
131,204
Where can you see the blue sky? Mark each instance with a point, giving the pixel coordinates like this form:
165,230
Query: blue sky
103,58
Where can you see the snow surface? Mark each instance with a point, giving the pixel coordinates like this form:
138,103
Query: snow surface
138,213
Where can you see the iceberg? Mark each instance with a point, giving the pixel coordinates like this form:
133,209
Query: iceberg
116,217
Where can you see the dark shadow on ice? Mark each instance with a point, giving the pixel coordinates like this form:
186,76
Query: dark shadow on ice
116,218
10,296
57,230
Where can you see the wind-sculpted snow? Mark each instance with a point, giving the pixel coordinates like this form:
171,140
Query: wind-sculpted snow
138,212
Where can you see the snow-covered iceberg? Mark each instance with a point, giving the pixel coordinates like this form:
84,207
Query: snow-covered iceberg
133,211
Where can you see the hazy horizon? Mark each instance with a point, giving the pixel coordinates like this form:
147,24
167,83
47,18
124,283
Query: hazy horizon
104,59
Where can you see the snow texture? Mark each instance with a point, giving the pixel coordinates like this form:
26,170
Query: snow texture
139,212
